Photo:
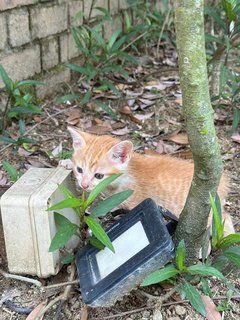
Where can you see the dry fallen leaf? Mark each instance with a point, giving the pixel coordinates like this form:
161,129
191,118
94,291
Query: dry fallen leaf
179,101
155,85
118,125
212,312
58,149
180,138
160,147
84,313
236,137
33,315
98,130
121,132
73,116
143,117
3,178
125,110
147,102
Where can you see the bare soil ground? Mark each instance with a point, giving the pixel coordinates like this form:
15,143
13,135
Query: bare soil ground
153,120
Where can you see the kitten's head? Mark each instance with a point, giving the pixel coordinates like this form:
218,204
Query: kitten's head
97,157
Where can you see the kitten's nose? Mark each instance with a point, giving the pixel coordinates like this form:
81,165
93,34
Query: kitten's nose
84,185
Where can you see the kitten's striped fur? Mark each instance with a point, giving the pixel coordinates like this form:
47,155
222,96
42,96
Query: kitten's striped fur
165,179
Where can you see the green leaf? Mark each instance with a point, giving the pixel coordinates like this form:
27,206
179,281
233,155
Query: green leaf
96,243
128,57
97,36
113,38
76,33
205,287
112,87
86,97
13,173
61,220
217,220
22,140
65,191
194,298
203,270
69,195
233,254
77,68
22,127
229,240
99,188
29,82
212,12
99,232
6,79
211,38
180,256
27,109
111,202
236,120
68,258
228,7
107,109
67,203
68,97
62,236
7,139
160,275
205,244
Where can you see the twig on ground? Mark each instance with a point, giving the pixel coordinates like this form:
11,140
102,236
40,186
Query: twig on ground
21,278
61,284
62,298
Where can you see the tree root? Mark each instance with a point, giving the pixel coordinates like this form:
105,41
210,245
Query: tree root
21,278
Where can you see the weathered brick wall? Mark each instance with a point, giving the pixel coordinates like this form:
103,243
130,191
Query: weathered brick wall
35,37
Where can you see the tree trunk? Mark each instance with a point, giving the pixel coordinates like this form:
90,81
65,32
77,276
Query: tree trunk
198,114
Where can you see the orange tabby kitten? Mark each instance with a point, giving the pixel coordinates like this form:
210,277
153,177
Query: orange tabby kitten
163,178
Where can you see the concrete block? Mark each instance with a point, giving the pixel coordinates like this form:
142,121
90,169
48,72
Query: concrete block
21,65
68,48
49,53
113,6
9,4
52,82
123,4
74,8
111,26
47,21
18,23
95,12
3,100
3,31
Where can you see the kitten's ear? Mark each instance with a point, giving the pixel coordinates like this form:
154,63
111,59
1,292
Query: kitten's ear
78,139
121,153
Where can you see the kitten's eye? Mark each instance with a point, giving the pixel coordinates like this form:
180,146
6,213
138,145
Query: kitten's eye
79,170
99,175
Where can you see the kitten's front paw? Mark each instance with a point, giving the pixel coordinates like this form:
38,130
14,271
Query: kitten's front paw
66,163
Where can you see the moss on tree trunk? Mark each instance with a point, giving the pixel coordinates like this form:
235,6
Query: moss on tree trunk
198,114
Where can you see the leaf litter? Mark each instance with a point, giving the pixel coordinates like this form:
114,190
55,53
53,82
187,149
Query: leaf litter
141,111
